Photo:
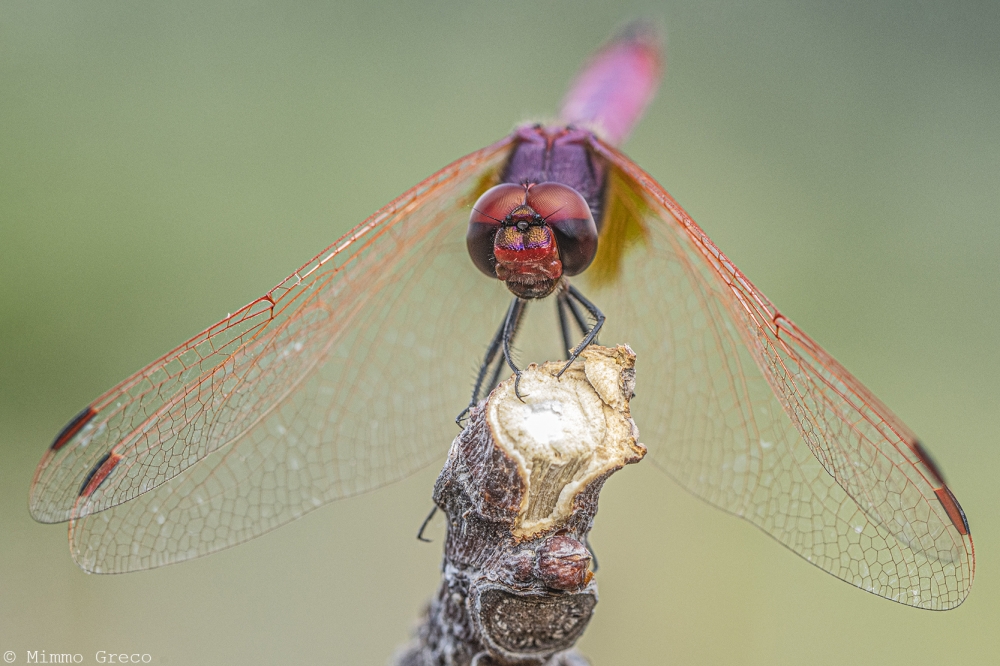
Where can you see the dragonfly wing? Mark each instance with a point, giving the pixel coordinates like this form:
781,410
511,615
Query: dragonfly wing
347,376
748,413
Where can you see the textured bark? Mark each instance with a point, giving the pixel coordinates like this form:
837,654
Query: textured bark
520,490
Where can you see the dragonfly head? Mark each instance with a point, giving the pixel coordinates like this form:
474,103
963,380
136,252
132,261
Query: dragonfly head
531,235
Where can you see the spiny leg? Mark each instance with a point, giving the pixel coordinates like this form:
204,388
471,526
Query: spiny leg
512,323
575,295
564,304
427,520
497,369
491,353
498,364
515,312
578,317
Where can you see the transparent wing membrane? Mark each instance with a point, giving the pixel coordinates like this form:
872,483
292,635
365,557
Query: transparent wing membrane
345,377
748,413
348,376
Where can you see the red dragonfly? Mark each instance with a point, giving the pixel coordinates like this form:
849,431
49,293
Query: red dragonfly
347,375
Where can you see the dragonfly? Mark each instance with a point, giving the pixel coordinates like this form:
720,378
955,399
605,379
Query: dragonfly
347,375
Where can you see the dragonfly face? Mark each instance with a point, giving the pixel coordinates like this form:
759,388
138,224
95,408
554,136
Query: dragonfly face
346,375
531,235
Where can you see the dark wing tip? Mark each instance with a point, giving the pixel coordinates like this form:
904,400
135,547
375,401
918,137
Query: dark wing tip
73,427
98,473
953,509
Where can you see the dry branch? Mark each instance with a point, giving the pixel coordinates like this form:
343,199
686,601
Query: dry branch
520,490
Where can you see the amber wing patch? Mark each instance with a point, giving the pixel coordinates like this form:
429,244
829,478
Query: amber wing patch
621,229
488,179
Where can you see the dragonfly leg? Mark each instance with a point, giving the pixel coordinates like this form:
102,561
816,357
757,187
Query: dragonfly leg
427,520
564,305
491,353
510,324
497,369
561,306
573,294
581,321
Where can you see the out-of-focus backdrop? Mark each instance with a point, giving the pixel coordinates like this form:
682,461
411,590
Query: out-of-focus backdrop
162,164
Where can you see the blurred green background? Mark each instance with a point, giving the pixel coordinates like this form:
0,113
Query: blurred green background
162,164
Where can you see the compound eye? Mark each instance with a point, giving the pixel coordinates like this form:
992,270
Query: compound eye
487,215
556,202
497,203
567,213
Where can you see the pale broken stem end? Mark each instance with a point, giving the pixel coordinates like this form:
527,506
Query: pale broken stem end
566,431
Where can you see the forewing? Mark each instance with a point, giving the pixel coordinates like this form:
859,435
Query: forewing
748,413
344,377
